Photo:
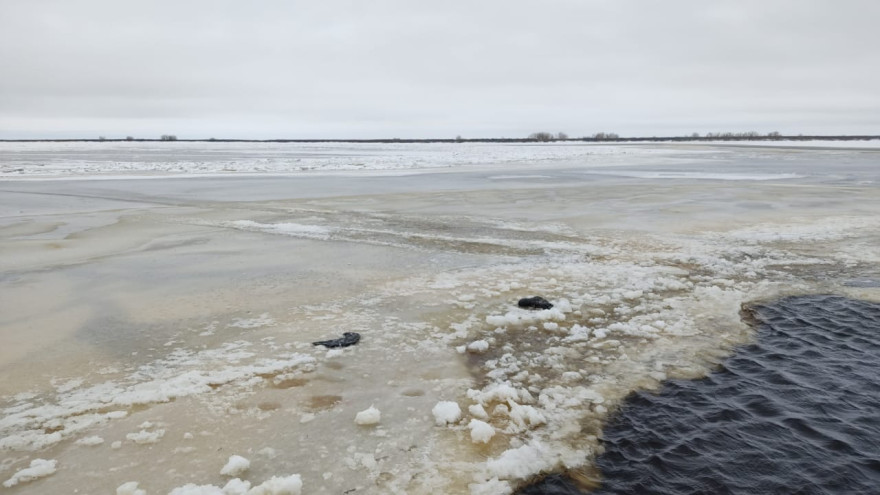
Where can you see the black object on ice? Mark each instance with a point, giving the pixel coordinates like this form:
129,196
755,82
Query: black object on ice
536,302
348,338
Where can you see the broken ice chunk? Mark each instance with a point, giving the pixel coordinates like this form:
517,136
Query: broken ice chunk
446,412
369,416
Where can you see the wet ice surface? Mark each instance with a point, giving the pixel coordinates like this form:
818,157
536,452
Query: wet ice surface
794,413
152,329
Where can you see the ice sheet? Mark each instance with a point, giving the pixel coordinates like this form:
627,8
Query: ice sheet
183,159
191,340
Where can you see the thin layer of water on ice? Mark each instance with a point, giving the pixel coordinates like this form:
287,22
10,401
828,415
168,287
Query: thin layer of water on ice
181,334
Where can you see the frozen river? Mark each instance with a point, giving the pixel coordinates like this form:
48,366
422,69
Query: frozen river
158,301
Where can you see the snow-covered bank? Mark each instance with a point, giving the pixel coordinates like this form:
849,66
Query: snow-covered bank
868,144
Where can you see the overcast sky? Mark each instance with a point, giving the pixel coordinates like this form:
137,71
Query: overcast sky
371,69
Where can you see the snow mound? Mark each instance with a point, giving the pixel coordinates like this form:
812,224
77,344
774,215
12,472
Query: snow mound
446,412
478,346
478,411
235,466
193,489
491,487
276,485
290,485
236,486
520,462
130,488
481,432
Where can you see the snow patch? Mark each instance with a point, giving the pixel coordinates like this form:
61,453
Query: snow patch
182,373
90,441
39,468
261,321
145,437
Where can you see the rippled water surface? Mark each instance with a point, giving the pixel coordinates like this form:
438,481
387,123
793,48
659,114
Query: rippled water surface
797,412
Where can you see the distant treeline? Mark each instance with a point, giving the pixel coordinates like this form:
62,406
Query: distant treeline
534,138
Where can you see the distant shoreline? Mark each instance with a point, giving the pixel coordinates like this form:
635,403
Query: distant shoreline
460,140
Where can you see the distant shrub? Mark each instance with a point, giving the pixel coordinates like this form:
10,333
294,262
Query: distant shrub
743,135
168,137
606,136
541,136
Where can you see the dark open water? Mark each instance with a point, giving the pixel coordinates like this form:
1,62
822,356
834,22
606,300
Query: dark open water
797,412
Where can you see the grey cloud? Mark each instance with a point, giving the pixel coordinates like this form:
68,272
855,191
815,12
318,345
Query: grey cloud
418,69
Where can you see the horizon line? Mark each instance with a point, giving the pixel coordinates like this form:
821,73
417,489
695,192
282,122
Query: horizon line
721,137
